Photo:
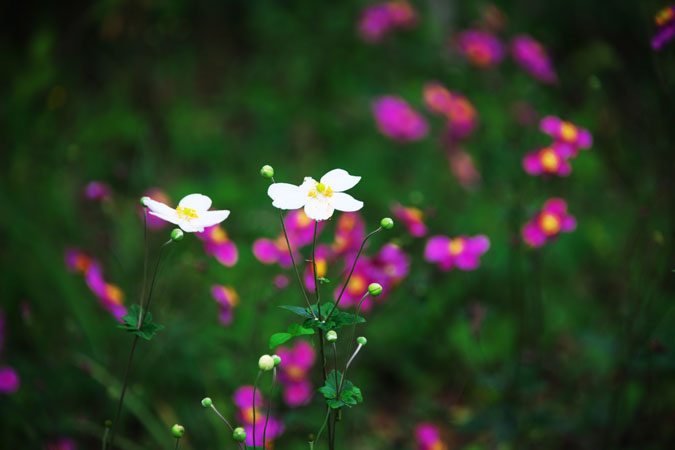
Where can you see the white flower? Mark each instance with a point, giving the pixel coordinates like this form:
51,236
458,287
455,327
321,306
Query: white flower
320,198
192,213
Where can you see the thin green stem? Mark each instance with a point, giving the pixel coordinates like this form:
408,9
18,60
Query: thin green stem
152,283
323,366
145,261
255,387
316,276
353,342
124,389
213,407
177,441
106,432
335,361
337,302
269,405
318,434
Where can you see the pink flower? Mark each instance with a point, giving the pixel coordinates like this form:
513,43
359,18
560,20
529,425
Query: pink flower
274,429
566,132
665,21
227,299
9,380
437,98
349,233
155,222
97,190
402,14
548,223
428,437
398,120
300,230
243,398
551,160
378,20
294,373
460,113
218,244
323,253
463,168
481,48
61,444
412,219
358,283
462,252
532,56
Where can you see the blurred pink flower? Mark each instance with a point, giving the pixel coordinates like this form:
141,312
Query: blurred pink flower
412,219
665,21
532,56
567,133
97,190
294,372
243,398
551,160
218,244
481,48
378,20
428,437
462,252
155,222
9,380
61,444
460,113
323,254
349,233
398,120
300,230
463,168
548,223
227,299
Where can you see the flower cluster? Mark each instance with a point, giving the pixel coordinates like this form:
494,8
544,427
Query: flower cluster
243,398
480,48
294,373
227,298
665,23
428,437
533,57
460,113
9,378
412,219
97,191
548,223
380,19
300,229
218,244
110,296
463,252
398,120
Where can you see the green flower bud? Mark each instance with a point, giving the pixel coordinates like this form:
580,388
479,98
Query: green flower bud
361,340
178,431
144,201
331,336
266,362
387,223
374,289
177,234
267,171
276,359
206,402
239,434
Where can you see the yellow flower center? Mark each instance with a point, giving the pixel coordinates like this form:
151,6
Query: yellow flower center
456,246
219,235
568,131
295,373
415,213
550,160
549,223
114,294
303,220
320,267
321,189
357,285
186,213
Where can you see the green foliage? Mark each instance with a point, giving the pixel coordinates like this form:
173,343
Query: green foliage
349,394
149,328
294,330
337,320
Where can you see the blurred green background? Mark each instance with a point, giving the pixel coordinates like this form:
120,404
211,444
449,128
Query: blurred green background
575,350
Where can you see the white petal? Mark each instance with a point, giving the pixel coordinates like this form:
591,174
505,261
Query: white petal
171,217
345,202
318,209
191,226
211,218
287,196
339,180
198,202
159,209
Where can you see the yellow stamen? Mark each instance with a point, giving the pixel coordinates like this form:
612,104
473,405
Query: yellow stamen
456,246
320,268
357,285
186,213
550,160
549,223
219,235
568,131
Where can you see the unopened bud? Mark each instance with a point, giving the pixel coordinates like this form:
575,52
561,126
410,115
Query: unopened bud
144,201
331,336
177,234
387,223
206,402
267,171
361,340
374,289
108,423
266,362
276,359
239,434
178,431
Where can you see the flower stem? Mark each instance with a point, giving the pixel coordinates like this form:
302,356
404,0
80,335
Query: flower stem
269,405
332,438
124,389
145,261
325,421
152,283
316,277
177,441
353,341
224,420
337,302
255,387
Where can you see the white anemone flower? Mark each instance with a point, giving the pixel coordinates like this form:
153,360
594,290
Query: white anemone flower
319,198
192,213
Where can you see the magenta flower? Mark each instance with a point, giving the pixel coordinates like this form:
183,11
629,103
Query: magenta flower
274,429
566,132
61,444
323,254
428,437
464,169
218,244
551,160
349,233
97,190
154,222
281,281
398,120
300,229
665,21
390,266
481,48
402,14
412,219
462,116
533,57
243,398
378,20
436,98
358,283
548,223
227,299
294,373
462,252
9,380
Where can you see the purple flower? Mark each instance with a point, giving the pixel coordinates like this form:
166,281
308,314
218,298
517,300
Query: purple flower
349,233
323,254
428,437
97,190
462,252
532,56
412,219
566,132
227,299
398,120
9,380
548,223
61,444
665,21
551,160
300,230
294,373
218,244
481,48
378,20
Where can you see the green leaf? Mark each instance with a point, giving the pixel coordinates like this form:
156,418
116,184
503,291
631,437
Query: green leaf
323,280
304,312
279,338
130,324
350,395
297,330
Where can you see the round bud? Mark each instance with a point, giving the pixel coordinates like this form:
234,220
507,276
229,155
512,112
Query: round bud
387,223
144,201
267,171
276,359
374,289
178,431
206,402
177,234
239,434
266,362
108,423
361,340
331,336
